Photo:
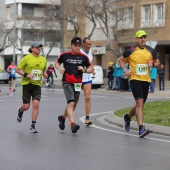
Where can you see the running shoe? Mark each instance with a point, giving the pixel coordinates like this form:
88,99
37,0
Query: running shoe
19,117
61,122
126,123
143,132
75,128
33,130
88,122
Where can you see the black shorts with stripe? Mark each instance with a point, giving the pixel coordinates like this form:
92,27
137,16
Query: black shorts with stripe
30,90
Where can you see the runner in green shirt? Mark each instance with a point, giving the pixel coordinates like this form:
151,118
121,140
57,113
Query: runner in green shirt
32,67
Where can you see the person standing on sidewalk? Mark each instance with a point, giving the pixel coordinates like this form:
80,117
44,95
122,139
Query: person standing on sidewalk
110,77
161,73
153,73
12,75
140,58
32,67
87,79
75,64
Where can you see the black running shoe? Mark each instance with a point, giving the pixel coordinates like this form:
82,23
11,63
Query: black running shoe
19,117
75,128
61,123
33,129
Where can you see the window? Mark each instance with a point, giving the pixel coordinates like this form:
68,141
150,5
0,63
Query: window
38,12
159,15
126,18
152,15
146,16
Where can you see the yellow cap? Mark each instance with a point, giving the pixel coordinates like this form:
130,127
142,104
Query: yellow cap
111,63
140,33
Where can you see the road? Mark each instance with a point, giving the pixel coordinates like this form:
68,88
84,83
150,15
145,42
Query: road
98,147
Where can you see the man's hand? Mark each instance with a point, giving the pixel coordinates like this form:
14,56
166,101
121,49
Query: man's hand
150,63
45,75
61,70
127,73
81,68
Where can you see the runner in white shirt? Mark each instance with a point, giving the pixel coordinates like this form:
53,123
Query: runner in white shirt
87,79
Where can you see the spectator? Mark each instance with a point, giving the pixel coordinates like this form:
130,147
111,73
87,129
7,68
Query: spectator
153,72
118,75
110,71
161,73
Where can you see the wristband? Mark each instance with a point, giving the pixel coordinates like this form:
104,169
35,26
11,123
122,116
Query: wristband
25,74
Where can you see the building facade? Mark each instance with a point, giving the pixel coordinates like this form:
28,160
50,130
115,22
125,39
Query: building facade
27,21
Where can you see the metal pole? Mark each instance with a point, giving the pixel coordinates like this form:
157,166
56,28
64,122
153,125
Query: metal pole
14,30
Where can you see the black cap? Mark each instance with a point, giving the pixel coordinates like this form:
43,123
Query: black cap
76,40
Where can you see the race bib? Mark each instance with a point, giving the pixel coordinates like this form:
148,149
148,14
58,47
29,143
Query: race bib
141,69
77,86
13,71
37,74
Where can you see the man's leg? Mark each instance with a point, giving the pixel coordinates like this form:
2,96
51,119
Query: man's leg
26,96
9,84
139,111
87,92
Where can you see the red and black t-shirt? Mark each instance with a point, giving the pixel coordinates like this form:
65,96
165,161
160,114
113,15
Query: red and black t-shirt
71,62
50,70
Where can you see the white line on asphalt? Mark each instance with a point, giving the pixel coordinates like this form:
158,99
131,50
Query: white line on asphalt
114,131
11,94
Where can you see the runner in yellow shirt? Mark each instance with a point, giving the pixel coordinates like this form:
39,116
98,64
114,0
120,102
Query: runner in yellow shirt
32,67
140,58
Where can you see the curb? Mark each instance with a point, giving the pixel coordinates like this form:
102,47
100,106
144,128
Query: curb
156,129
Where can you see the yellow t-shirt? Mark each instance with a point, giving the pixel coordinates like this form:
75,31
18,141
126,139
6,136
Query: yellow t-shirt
35,65
137,59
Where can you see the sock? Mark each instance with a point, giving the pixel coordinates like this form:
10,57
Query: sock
33,123
140,127
20,113
63,118
127,117
72,123
87,117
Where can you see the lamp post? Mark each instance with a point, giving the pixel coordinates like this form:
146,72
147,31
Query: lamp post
14,30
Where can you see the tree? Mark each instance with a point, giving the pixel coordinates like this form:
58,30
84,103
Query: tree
4,34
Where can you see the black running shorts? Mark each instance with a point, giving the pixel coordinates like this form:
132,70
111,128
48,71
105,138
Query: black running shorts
140,89
30,90
70,93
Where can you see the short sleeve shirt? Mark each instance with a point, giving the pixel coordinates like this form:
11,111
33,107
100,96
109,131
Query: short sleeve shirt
12,69
137,59
33,65
87,77
71,62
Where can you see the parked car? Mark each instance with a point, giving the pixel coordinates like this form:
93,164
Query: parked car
97,79
4,76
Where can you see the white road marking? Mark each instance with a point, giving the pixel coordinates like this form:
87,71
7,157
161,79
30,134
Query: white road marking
123,133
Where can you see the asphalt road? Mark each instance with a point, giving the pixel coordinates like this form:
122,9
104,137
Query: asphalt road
99,147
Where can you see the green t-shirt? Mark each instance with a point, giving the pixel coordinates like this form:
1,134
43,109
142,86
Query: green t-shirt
35,65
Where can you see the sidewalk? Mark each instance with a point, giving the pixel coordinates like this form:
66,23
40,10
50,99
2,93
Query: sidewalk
118,121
